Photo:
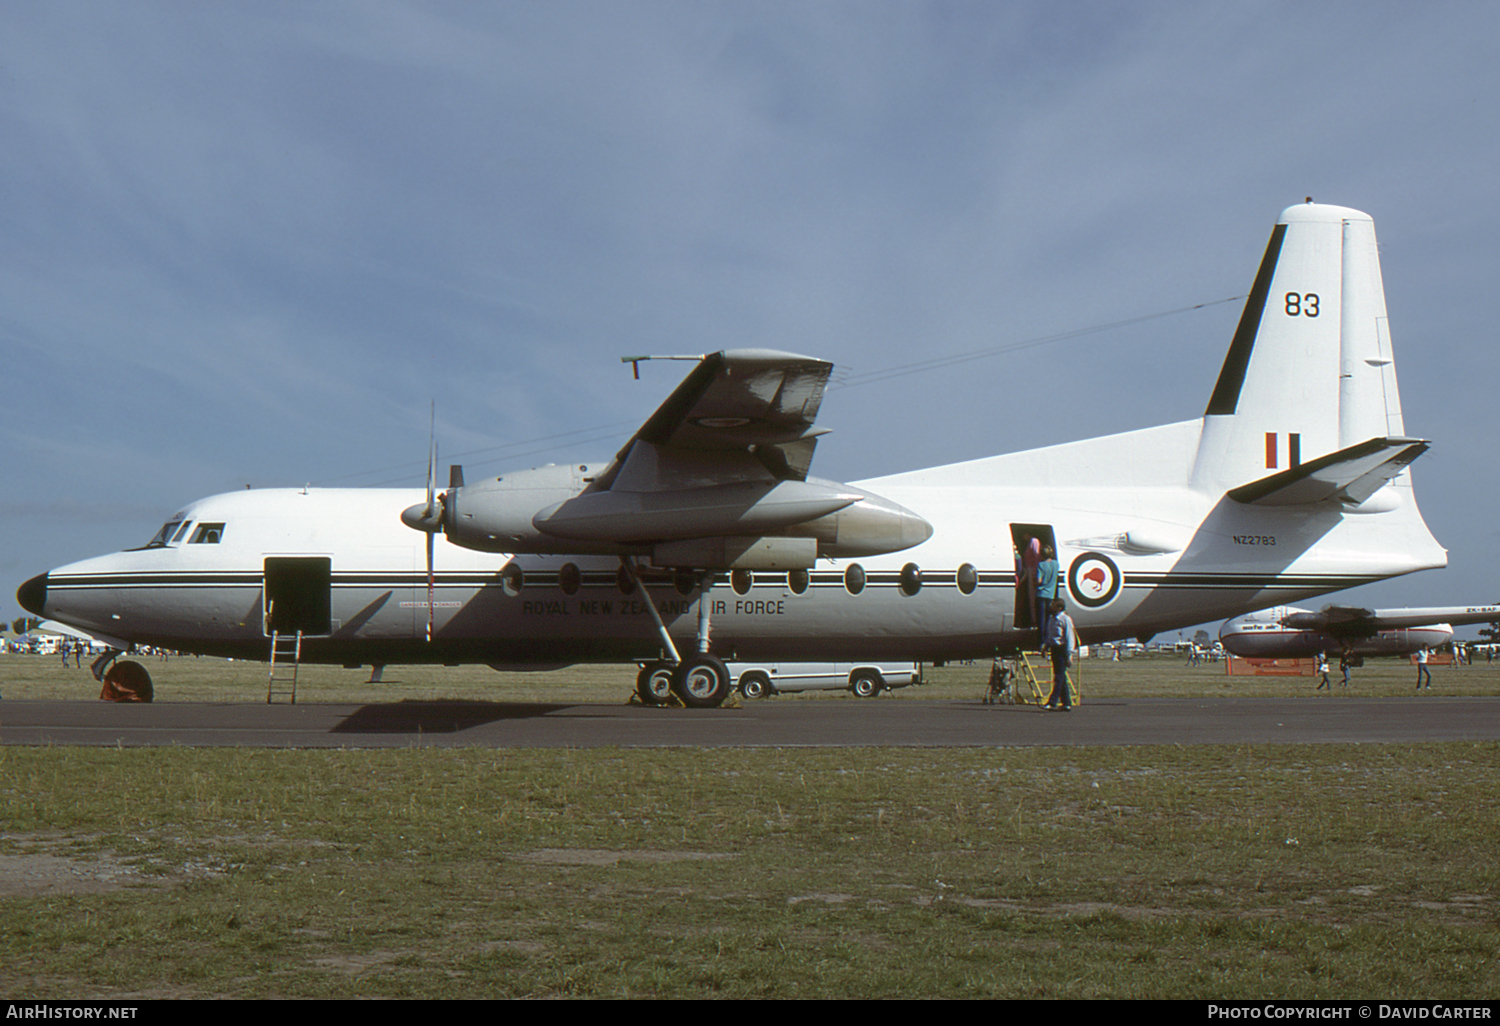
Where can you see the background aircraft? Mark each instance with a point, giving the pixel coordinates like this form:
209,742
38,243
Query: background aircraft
706,538
1286,632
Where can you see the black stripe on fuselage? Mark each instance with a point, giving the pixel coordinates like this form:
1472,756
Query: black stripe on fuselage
818,581
1258,581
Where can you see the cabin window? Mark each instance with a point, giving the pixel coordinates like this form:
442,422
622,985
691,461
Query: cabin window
854,579
512,579
740,581
569,578
624,581
797,581
911,579
207,534
968,578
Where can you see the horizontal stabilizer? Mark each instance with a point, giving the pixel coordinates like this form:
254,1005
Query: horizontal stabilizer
1349,476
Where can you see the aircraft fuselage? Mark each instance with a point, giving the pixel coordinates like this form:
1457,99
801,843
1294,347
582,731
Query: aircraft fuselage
345,569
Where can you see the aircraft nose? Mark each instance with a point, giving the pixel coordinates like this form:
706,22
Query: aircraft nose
33,595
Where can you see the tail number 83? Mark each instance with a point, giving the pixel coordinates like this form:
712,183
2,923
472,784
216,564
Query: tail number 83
1304,304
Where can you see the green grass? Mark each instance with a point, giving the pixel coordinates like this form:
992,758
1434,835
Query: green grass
1258,871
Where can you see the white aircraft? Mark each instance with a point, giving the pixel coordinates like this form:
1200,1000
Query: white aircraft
705,532
1287,632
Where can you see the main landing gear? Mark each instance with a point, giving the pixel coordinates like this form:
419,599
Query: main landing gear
701,681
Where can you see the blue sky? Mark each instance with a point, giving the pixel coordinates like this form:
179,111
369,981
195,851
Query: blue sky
252,243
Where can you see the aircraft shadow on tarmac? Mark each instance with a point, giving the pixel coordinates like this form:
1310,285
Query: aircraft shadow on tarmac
437,717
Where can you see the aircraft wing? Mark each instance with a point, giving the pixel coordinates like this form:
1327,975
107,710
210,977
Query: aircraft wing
715,478
1354,622
726,456
1350,475
739,415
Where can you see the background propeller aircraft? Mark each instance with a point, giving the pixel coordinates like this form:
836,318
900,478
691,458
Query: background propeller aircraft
1287,632
706,533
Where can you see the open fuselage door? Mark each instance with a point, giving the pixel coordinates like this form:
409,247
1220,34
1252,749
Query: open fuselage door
1028,541
298,595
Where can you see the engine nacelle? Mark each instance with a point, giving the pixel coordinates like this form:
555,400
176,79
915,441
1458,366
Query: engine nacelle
872,526
744,508
762,524
494,515
738,553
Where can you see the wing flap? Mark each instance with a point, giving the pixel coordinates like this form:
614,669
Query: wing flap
739,415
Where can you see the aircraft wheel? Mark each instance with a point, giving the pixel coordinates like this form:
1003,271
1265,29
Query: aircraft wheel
755,685
702,682
866,685
654,683
127,681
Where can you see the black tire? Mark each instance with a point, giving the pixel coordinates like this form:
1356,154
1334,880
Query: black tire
702,682
756,685
867,684
128,681
653,684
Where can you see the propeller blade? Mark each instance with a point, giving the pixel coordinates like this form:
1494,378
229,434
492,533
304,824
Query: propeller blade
432,462
431,512
431,590
427,516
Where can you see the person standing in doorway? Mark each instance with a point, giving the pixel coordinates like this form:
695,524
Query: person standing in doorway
1030,556
1046,586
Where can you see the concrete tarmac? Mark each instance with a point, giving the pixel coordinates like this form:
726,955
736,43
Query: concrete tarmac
770,723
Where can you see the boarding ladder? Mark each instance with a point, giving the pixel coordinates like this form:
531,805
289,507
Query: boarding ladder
1041,690
286,654
1009,676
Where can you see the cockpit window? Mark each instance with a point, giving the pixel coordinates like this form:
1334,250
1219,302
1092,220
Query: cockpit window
207,534
181,531
167,532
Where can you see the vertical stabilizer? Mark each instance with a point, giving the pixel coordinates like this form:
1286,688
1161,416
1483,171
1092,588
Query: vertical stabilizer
1309,371
1369,404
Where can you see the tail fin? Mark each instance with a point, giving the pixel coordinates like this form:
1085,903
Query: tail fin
1309,372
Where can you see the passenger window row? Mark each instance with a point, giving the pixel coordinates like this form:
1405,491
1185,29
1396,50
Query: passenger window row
855,578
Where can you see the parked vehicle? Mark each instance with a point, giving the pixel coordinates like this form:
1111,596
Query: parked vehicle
760,680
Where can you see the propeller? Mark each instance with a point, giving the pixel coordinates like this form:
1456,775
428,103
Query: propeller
431,515
428,517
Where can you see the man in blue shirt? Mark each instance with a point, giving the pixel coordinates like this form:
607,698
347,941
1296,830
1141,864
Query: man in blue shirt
1046,588
1060,641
